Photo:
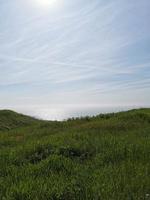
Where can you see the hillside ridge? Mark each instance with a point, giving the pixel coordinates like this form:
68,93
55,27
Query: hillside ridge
10,119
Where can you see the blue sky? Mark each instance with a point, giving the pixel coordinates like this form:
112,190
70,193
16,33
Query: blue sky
79,54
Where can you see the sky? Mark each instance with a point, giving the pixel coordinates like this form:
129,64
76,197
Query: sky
62,58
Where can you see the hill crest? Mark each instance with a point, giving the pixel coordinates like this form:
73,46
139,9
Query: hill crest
10,119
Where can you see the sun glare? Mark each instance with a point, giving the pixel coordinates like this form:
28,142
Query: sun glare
47,2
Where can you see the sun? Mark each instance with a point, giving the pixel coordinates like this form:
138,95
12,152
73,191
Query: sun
47,5
47,2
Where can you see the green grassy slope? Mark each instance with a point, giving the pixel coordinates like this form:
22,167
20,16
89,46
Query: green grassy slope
10,119
101,158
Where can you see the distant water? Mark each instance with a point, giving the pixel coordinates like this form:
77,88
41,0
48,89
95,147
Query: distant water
64,112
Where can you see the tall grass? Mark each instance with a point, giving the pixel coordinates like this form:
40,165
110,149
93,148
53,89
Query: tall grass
106,157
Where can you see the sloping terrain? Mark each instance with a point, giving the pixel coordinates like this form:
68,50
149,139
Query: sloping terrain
93,158
10,119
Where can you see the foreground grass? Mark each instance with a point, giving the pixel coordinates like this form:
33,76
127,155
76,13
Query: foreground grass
101,158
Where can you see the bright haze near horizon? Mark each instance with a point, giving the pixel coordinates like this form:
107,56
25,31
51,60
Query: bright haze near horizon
62,58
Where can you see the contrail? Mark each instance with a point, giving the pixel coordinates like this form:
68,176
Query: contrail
88,67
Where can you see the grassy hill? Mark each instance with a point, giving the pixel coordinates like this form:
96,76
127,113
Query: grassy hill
10,119
93,158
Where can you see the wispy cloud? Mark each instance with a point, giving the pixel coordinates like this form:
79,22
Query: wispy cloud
87,50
